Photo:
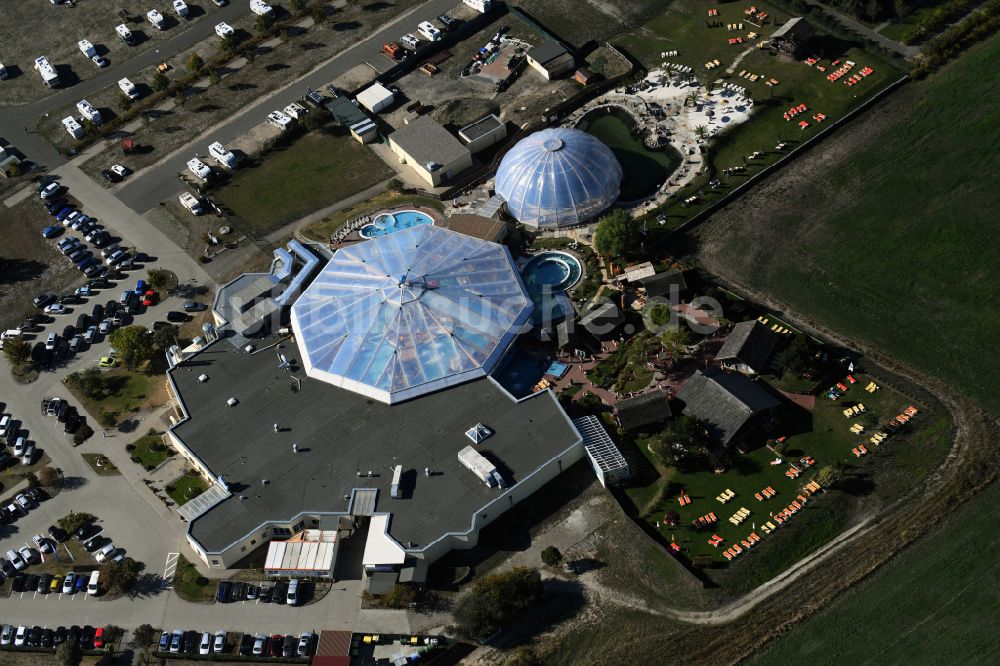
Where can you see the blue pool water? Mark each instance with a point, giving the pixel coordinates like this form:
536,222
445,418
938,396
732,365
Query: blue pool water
522,372
547,276
388,223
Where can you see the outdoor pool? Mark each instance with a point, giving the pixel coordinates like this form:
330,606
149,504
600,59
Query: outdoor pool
521,372
389,223
547,276
644,170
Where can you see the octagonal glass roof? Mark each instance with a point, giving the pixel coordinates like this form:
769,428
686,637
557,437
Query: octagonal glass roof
410,313
558,177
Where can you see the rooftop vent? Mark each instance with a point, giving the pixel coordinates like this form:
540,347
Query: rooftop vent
478,433
248,349
232,402
203,378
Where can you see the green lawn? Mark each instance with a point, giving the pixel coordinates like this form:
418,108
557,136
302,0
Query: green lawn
322,231
191,585
876,252
101,464
150,451
317,170
884,474
132,392
186,487
683,28
935,602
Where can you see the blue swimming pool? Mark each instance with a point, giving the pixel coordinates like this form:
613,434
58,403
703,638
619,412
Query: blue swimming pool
388,223
522,372
547,276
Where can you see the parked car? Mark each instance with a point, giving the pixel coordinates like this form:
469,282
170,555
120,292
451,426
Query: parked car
58,533
104,327
276,642
219,643
43,300
99,637
205,646
259,645
68,581
51,231
110,176
50,190
194,306
177,317
164,644
175,641
55,309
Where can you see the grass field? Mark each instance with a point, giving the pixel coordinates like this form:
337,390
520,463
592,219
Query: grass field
186,487
905,262
317,170
191,585
936,601
148,451
684,28
132,392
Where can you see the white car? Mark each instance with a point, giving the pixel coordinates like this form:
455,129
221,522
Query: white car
219,646
120,170
223,30
104,552
206,643
83,291
50,190
199,168
43,544
99,61
221,155
21,636
55,309
279,120
295,110
181,8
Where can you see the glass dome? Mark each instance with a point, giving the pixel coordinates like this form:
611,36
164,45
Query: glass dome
558,177
410,313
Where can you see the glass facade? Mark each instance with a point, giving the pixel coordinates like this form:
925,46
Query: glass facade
558,177
409,313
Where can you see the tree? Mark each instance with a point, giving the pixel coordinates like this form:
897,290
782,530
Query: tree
682,430
676,340
134,345
90,382
828,476
796,357
263,23
120,576
123,102
701,131
68,653
195,63
48,476
394,185
551,556
164,337
75,520
160,82
16,350
617,235
142,635
660,314
522,656
299,6
157,278
32,479
496,599
229,44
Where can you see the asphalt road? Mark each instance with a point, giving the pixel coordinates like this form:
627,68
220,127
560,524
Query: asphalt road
14,120
159,183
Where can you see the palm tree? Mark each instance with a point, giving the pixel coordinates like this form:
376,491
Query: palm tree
701,132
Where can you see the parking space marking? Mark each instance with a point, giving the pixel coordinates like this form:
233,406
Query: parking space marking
169,569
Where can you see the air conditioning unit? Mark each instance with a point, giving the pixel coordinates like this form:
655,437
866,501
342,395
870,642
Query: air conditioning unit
232,402
203,378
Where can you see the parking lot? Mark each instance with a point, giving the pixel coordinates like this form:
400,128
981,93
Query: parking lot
55,35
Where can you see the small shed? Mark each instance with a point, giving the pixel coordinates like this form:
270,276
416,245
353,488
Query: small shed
643,411
747,348
793,38
584,76
551,59
483,133
376,97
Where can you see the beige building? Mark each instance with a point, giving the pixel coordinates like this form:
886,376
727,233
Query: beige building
430,150
551,59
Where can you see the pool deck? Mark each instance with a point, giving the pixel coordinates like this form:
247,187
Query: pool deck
356,237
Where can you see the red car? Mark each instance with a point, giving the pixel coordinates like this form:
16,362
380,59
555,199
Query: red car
99,638
149,298
276,641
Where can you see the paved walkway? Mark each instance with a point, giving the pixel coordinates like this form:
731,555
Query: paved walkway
908,52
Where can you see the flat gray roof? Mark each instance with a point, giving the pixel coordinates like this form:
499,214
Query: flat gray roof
481,127
426,141
338,433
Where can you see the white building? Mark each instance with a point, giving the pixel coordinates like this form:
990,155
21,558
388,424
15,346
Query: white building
376,97
430,150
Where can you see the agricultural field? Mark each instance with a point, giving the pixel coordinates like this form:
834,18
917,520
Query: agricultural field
950,614
905,262
326,168
55,31
590,20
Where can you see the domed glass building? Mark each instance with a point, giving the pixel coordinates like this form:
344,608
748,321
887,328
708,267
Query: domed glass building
409,313
558,177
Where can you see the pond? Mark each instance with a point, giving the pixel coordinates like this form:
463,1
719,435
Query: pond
645,170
